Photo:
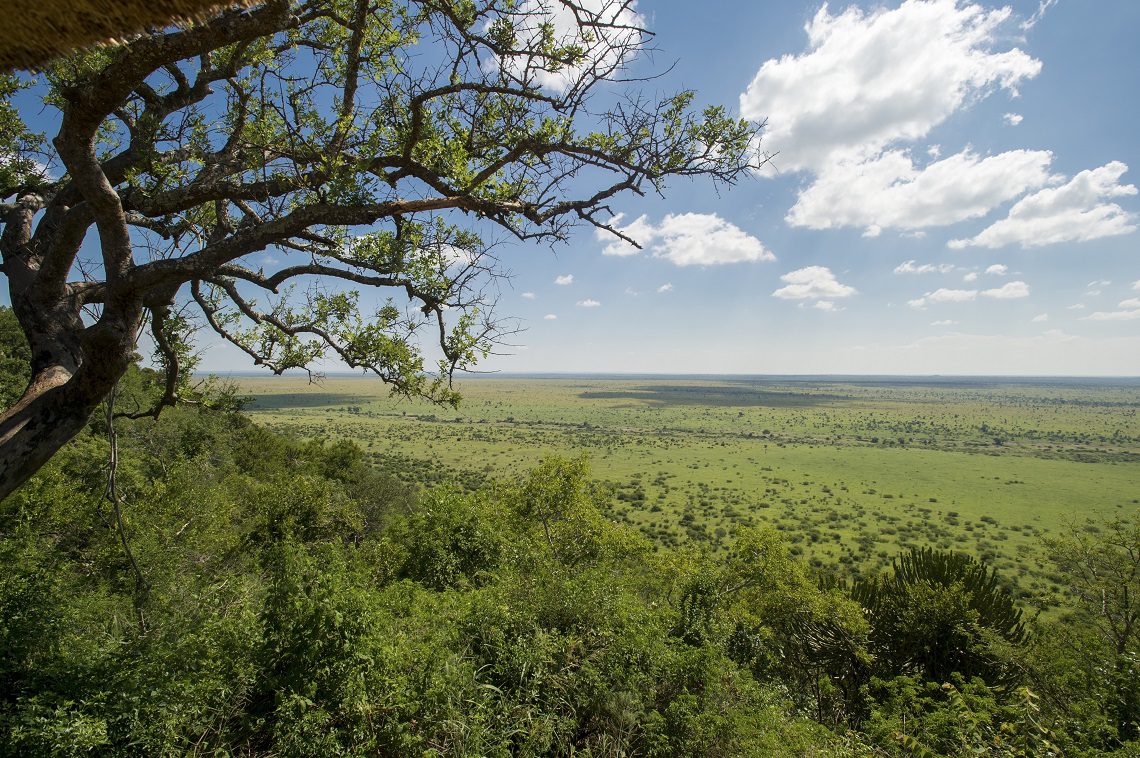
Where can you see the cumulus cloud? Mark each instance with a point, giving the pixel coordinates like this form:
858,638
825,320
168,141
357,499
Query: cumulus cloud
826,305
1040,318
667,287
588,303
1077,211
998,269
1013,119
1132,302
1008,291
1075,307
640,230
609,36
687,239
867,80
1136,285
550,317
528,296
564,279
970,277
890,191
812,283
912,267
870,82
944,322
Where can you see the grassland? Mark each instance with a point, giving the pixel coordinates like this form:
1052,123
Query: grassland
851,470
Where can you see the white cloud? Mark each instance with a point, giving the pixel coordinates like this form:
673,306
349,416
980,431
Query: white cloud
1092,293
1013,119
528,296
1132,302
1075,307
970,277
631,292
998,269
588,303
1008,291
1040,318
1136,285
1042,6
1124,315
640,230
564,279
825,305
687,239
608,36
550,317
812,282
667,287
944,322
910,267
867,80
943,295
1099,283
890,191
1074,212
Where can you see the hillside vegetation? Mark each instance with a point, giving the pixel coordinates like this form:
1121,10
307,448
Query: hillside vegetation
240,590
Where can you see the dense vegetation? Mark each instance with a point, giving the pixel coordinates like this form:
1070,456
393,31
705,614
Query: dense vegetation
270,595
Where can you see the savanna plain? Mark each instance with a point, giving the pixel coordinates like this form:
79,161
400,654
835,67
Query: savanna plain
851,470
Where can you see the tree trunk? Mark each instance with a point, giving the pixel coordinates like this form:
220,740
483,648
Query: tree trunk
68,383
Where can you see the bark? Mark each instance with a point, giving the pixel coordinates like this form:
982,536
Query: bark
65,389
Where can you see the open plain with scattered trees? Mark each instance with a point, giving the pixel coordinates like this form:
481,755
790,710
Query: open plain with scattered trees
850,470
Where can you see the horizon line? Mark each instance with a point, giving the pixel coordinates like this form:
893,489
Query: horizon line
298,373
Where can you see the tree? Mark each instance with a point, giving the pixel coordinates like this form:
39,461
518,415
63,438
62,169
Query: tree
1101,567
422,124
940,613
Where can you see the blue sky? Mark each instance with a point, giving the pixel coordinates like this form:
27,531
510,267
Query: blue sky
954,194
953,191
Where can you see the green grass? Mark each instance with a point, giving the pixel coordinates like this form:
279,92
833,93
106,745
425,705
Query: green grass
851,471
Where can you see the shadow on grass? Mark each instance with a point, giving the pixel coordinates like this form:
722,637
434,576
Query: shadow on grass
669,394
285,401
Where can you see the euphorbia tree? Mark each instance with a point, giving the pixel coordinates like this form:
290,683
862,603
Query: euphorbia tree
365,142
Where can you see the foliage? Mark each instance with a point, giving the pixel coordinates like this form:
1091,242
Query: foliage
19,146
15,359
1100,565
912,717
942,613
